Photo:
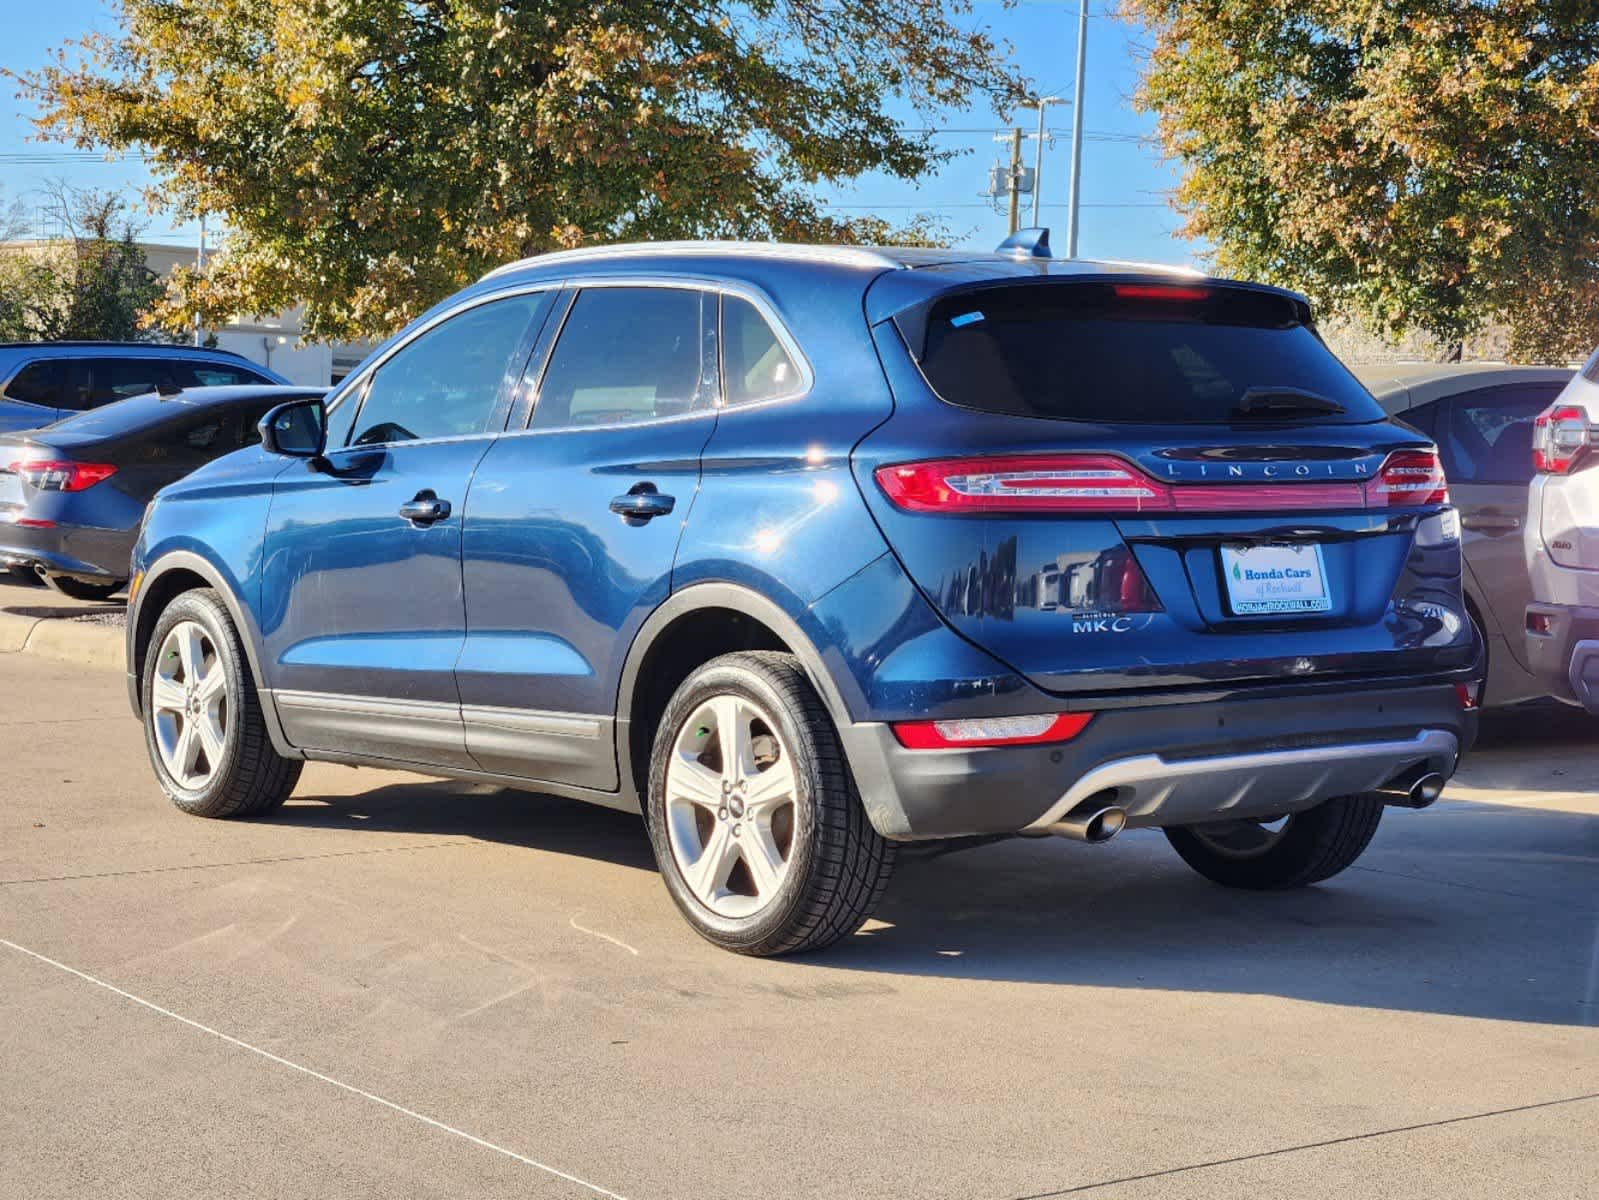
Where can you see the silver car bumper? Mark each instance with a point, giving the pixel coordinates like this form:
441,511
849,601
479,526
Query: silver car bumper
1158,791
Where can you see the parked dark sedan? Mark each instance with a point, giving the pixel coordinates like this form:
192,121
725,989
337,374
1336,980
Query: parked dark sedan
72,494
42,382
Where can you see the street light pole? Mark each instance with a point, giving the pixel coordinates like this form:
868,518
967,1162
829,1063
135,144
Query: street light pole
1077,130
1038,155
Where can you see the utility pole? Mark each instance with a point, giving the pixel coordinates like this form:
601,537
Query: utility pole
199,266
1073,202
1016,180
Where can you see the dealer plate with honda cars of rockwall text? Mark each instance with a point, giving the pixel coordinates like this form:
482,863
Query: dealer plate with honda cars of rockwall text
1275,579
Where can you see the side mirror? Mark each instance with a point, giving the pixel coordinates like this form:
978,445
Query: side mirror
297,429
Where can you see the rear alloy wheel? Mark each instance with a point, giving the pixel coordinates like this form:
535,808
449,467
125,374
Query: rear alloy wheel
80,589
1280,852
756,823
202,720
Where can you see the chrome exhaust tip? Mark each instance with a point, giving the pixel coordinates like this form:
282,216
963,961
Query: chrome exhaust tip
1422,793
1093,825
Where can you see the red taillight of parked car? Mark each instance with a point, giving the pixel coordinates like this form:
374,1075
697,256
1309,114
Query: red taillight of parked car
980,732
1408,478
1104,483
1561,437
56,475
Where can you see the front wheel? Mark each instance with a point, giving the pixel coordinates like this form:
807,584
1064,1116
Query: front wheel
1287,852
203,725
758,829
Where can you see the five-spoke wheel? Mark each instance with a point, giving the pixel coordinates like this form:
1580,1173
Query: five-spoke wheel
730,806
760,834
203,723
189,705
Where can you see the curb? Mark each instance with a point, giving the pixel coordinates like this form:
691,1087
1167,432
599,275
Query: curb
55,637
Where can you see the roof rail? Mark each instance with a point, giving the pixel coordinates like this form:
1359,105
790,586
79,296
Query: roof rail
854,256
173,347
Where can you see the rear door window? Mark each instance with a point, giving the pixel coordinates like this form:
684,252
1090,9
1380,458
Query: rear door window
204,374
1139,352
37,383
628,354
97,381
1486,435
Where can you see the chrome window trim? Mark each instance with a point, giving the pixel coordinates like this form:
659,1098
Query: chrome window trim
357,383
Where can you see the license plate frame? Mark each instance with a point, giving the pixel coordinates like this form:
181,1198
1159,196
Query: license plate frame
1277,592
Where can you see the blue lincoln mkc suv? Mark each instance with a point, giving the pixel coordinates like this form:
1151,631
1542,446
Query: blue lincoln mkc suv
802,552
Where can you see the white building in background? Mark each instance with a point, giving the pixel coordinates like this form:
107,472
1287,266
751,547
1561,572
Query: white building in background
274,342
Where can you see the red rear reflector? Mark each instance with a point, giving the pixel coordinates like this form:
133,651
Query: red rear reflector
1176,293
975,733
55,475
1541,624
1104,483
1467,694
34,523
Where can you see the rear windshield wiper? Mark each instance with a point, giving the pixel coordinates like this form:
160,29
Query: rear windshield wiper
1258,400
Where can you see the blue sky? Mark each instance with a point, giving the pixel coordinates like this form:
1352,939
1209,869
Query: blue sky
1124,181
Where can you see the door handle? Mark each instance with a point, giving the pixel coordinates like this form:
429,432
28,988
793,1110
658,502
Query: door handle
642,504
1490,523
425,508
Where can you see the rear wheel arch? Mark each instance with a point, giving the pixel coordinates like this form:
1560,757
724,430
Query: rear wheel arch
695,625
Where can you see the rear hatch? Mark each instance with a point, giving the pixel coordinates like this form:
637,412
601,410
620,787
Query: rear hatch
1115,484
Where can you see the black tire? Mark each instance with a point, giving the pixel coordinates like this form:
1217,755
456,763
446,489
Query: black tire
252,777
1314,845
838,865
80,589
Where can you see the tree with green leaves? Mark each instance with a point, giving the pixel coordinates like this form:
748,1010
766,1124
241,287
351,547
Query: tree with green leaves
370,156
1428,165
91,283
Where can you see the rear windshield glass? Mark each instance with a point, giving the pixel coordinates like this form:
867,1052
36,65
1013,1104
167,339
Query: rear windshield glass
1173,354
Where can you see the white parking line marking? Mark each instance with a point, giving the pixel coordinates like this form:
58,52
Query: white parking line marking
304,1070
607,937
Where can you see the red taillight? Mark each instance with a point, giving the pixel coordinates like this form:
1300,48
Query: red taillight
1560,436
975,733
1409,477
54,475
1023,483
1104,483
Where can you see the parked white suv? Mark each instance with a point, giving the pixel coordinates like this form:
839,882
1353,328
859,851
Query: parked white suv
1562,543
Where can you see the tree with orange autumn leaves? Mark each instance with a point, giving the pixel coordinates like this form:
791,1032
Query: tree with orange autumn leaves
371,156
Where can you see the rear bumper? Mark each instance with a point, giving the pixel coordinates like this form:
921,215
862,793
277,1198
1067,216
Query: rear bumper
1566,659
1168,764
97,554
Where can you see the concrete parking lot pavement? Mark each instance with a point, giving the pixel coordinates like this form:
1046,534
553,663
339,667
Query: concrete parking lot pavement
404,988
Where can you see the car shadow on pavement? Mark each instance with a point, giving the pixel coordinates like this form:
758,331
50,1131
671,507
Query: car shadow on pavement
1494,914
487,813
1470,909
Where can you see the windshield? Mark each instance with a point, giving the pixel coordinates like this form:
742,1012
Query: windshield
1173,354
